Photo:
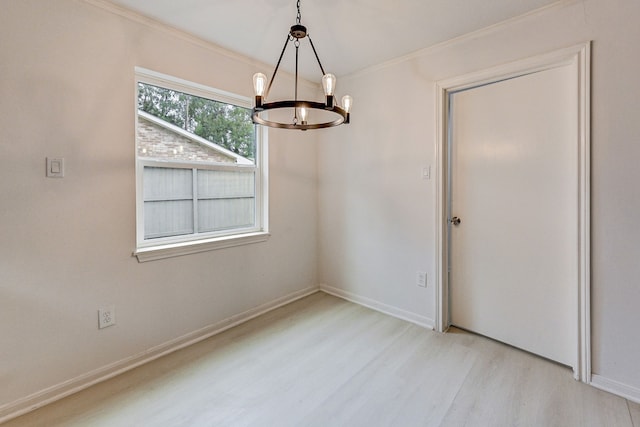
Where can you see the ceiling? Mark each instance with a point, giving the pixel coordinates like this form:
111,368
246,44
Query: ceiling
349,35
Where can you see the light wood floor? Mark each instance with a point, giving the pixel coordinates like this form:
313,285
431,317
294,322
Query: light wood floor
322,361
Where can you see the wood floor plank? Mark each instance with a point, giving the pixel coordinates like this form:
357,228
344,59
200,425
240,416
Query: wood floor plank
412,382
322,361
509,387
634,411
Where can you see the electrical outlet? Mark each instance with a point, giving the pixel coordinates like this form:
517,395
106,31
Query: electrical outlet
106,316
421,279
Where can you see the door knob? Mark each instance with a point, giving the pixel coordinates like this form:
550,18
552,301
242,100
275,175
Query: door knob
455,220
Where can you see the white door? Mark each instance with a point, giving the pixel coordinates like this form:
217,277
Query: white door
514,186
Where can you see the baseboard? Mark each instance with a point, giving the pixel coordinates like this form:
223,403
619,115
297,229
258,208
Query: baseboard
74,385
615,387
379,306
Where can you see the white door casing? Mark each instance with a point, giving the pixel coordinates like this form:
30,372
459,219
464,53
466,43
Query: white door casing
573,64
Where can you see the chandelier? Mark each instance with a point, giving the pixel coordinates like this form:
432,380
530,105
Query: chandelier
294,114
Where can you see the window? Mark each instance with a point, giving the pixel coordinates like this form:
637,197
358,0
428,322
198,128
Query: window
201,181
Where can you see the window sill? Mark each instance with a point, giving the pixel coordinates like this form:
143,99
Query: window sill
153,253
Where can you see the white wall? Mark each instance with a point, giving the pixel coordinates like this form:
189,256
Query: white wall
67,89
377,219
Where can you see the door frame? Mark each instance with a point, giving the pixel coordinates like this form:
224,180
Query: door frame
581,56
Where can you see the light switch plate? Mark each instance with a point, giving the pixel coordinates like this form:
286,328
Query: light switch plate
421,279
426,172
55,167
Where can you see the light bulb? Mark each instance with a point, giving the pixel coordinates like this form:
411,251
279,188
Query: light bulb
329,84
303,115
259,84
347,102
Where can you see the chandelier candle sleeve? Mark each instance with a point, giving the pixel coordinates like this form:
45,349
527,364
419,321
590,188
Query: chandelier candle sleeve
300,108
259,86
329,86
347,102
303,115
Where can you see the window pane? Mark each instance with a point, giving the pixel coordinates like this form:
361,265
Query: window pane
219,184
168,218
167,183
226,199
221,214
178,126
168,202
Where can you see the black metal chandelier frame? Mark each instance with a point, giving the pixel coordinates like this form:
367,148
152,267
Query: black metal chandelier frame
296,33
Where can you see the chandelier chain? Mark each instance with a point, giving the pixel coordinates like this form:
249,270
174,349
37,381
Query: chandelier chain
298,17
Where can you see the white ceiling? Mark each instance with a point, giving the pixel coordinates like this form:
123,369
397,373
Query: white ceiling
349,35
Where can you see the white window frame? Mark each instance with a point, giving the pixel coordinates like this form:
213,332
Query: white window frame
165,247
